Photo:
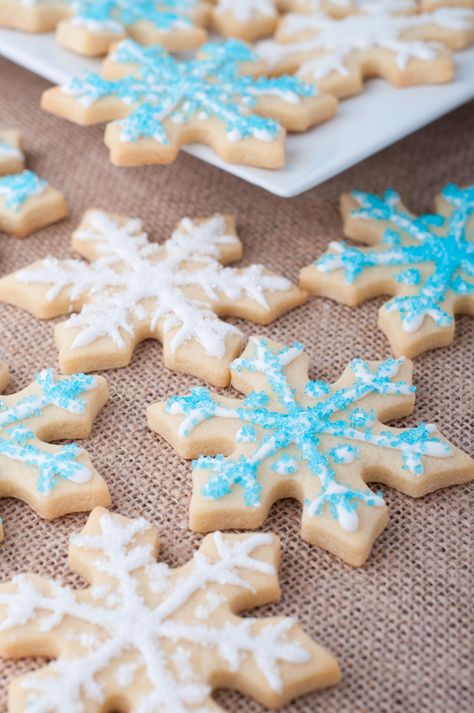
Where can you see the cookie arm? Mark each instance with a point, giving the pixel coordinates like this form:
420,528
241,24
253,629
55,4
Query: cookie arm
59,102
429,335
21,633
20,481
205,440
35,296
248,151
292,664
273,297
320,670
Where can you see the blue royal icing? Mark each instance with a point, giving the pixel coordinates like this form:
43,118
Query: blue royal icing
445,245
210,86
115,14
290,424
17,442
18,187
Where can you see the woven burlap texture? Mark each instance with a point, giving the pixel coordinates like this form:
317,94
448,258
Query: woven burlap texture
402,625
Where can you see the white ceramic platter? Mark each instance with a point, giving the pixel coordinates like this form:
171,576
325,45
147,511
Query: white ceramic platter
365,124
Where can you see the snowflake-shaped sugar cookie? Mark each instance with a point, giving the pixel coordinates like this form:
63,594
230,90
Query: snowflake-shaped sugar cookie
311,440
213,99
134,289
27,202
336,55
154,639
426,261
52,480
91,27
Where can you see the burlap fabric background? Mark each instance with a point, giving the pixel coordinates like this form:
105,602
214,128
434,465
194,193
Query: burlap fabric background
402,625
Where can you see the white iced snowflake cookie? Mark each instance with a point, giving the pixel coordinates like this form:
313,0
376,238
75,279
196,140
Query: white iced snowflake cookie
311,440
426,262
336,55
27,202
146,637
133,290
52,480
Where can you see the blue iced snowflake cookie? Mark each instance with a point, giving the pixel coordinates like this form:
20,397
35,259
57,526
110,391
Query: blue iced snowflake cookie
213,98
315,441
426,262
